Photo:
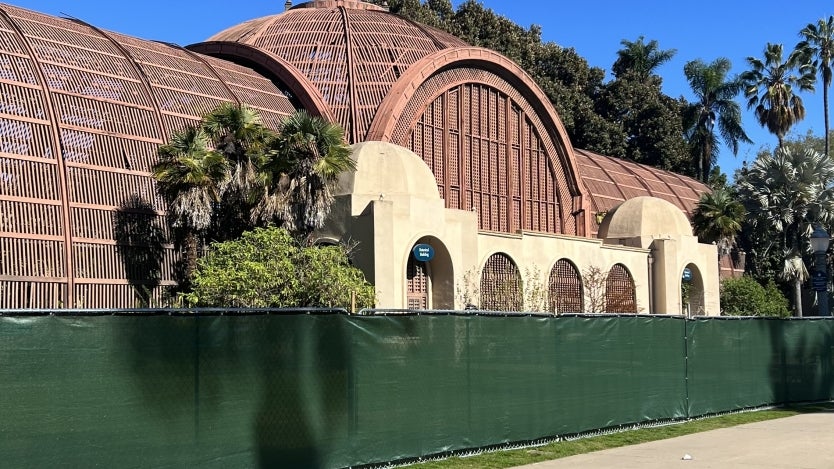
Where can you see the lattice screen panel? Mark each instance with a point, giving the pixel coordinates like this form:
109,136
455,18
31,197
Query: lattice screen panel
501,288
35,294
85,109
352,55
508,177
565,288
619,291
32,258
417,284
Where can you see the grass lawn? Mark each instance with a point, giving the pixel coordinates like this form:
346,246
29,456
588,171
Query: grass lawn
563,449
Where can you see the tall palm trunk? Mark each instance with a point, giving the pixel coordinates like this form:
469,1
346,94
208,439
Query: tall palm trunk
191,247
825,111
797,291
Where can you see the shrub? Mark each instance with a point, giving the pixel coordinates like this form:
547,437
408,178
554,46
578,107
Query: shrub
267,268
744,296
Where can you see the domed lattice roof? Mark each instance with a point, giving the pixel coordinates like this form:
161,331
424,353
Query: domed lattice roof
352,52
611,181
82,113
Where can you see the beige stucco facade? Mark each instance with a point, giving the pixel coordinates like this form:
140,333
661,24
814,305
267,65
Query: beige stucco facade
392,203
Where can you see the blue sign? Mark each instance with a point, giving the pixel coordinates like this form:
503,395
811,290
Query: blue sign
818,281
687,275
423,252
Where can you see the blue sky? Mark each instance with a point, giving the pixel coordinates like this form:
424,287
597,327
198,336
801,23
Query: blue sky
706,29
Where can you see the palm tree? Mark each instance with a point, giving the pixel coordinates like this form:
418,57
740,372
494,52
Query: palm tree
785,194
715,103
300,175
819,44
236,131
718,218
769,89
189,177
640,59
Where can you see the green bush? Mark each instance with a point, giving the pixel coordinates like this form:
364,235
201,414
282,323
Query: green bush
744,296
267,268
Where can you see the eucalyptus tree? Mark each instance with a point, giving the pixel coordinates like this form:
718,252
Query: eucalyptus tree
785,193
718,218
715,104
190,177
769,88
818,44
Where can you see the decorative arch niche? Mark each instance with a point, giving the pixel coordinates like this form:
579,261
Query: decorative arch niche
501,287
619,291
565,288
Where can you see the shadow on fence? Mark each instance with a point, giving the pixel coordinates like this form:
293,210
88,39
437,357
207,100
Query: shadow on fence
321,388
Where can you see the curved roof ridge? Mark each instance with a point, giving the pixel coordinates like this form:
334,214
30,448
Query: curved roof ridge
352,72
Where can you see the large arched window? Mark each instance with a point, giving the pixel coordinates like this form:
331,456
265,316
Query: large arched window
619,291
487,156
565,288
501,287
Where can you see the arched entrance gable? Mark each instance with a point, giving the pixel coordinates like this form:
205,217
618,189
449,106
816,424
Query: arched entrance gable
430,78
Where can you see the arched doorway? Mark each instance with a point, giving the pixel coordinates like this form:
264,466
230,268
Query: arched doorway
429,281
692,291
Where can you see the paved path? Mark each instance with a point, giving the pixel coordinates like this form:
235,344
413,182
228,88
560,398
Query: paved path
804,441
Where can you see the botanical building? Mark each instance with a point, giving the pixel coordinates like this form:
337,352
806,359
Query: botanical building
457,148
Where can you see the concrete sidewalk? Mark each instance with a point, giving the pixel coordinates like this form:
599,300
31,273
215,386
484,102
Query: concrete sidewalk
801,442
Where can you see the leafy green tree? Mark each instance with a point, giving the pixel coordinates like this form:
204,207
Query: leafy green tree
769,88
301,172
785,193
640,59
189,177
267,267
718,219
715,103
744,296
819,44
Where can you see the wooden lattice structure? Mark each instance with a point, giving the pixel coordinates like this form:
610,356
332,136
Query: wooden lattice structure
619,291
81,116
501,284
82,112
565,288
417,284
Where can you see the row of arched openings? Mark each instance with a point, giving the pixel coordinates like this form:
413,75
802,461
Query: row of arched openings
502,288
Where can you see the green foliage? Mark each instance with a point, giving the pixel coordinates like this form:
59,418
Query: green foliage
715,104
230,174
718,218
267,267
818,48
771,87
744,296
640,59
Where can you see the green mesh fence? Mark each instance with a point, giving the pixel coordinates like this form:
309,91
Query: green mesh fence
301,390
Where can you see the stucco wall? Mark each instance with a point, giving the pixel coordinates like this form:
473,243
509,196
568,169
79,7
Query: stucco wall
391,203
